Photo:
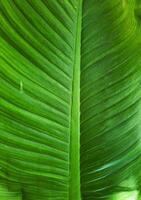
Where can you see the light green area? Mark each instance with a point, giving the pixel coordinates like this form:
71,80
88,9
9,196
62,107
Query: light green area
126,196
75,114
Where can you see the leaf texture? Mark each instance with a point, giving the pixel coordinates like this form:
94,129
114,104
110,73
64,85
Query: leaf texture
37,59
110,99
70,99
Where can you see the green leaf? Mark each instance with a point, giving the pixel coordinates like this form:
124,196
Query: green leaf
70,99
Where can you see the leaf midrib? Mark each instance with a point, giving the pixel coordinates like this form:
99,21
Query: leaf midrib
74,183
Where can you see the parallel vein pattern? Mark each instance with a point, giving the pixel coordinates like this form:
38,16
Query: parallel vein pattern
70,66
36,72
110,99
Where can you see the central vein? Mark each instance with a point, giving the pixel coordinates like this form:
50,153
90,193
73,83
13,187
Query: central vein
74,193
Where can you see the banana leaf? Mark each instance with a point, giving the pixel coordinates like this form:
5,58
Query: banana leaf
70,99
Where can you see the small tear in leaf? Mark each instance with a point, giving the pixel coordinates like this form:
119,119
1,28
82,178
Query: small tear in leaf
21,86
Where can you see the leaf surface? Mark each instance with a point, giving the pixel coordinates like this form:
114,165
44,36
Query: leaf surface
70,99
